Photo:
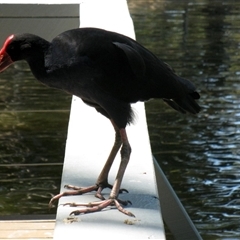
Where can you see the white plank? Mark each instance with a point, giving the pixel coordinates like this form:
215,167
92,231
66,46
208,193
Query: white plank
90,138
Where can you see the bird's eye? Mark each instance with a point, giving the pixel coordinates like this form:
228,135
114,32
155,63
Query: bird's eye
10,47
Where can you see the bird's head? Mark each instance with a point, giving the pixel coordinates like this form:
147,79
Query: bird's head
24,46
5,59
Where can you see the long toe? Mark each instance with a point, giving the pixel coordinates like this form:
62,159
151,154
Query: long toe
74,191
98,206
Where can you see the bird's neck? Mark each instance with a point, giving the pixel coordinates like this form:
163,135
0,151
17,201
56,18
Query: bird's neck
35,57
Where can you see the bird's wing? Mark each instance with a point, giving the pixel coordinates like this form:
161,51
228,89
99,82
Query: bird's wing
135,60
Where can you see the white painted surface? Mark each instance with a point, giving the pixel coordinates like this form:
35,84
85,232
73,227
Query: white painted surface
107,14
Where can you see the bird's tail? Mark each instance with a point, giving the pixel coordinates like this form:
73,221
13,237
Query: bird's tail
186,103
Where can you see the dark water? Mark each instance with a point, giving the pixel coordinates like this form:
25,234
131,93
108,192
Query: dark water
33,123
199,154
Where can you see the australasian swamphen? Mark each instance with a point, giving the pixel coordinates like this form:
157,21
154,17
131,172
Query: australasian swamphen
108,71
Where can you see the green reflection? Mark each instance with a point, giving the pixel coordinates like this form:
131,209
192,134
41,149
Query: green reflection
33,123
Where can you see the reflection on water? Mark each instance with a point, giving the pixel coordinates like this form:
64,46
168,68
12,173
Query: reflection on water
33,123
199,154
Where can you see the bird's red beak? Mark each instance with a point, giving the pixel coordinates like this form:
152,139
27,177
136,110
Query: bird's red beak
5,60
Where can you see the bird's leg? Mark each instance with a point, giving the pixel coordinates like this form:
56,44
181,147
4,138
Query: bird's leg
125,156
113,198
102,181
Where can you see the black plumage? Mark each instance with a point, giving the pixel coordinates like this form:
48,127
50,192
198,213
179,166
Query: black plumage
108,71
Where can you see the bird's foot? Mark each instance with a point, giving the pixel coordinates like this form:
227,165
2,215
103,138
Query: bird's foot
81,190
98,206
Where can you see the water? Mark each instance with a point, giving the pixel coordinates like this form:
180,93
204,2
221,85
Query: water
199,154
33,123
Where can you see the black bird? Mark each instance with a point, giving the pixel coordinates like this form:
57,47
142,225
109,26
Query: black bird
108,71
